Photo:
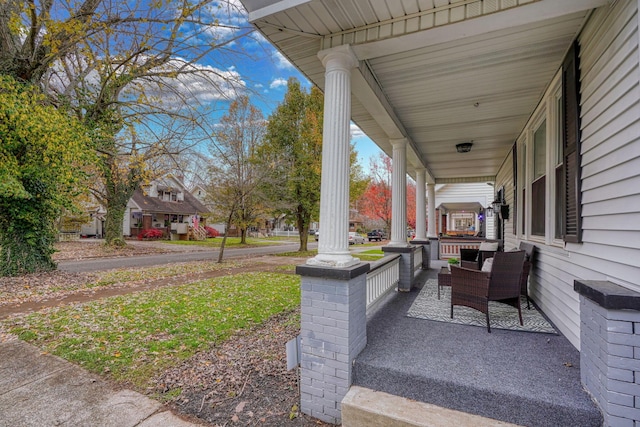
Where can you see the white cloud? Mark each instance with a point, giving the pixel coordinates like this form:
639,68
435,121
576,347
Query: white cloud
278,82
201,84
356,132
281,62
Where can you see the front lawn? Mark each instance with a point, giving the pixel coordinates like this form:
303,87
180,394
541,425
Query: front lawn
134,337
217,242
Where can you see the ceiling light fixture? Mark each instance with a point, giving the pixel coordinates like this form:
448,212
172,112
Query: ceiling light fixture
464,147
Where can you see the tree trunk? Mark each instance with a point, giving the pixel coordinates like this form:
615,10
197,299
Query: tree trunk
224,239
302,221
113,234
243,236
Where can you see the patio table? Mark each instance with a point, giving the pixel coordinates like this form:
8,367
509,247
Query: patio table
444,278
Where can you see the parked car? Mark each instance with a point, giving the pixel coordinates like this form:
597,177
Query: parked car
355,238
378,235
317,234
312,232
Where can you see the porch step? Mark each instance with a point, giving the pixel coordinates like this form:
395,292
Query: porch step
365,407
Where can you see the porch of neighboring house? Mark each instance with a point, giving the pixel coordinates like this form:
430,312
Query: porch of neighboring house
523,378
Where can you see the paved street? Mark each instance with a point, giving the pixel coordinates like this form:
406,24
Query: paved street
181,254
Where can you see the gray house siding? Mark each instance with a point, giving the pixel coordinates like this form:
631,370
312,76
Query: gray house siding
610,123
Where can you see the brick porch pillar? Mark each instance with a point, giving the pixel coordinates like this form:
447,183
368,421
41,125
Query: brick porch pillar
333,331
610,349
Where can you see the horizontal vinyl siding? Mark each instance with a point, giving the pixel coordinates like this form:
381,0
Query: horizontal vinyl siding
610,147
610,150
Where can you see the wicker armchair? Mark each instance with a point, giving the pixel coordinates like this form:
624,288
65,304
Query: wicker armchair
474,289
474,258
530,252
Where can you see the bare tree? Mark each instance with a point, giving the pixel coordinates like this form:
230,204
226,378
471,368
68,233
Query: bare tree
235,176
130,71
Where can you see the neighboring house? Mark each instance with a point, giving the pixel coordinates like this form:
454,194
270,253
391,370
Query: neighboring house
95,227
356,221
546,96
465,209
165,203
200,193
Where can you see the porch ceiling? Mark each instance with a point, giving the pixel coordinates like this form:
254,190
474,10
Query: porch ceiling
438,72
462,207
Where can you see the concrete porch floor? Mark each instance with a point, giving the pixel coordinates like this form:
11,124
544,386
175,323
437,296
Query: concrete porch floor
524,378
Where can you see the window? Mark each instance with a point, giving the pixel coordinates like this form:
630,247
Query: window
549,181
522,185
559,172
538,185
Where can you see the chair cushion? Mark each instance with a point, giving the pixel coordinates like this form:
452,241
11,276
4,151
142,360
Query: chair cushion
526,255
488,246
487,264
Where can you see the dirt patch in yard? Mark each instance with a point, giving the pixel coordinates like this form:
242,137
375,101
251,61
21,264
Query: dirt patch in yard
84,249
242,382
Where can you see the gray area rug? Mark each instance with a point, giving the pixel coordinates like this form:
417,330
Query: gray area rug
502,316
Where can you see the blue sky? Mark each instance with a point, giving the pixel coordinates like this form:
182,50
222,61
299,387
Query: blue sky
264,72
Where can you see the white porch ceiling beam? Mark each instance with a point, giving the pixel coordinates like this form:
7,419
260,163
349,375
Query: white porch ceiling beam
522,15
259,9
467,180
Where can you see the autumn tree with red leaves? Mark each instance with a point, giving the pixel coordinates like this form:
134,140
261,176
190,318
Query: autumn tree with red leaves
411,204
375,203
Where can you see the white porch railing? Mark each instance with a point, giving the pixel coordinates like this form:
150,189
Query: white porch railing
417,259
451,248
382,278
68,236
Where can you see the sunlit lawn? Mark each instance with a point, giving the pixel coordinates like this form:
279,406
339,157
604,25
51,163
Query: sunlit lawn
132,337
373,252
370,255
217,241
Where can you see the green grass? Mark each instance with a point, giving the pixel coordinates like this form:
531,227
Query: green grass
135,336
373,252
310,253
371,255
217,242
368,257
153,273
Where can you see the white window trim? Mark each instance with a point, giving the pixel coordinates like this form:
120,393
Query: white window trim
522,185
552,146
546,110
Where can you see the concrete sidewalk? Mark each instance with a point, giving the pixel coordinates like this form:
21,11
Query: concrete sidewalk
42,390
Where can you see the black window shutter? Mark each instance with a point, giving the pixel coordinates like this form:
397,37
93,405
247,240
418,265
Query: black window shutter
572,223
514,158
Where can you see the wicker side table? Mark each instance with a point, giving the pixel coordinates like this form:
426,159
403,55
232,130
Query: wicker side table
444,278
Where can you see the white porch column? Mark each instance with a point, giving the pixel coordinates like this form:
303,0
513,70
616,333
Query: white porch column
421,205
333,245
431,229
399,193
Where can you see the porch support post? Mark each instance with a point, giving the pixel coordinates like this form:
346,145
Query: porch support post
333,331
399,194
398,243
433,223
609,318
333,245
421,205
431,228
